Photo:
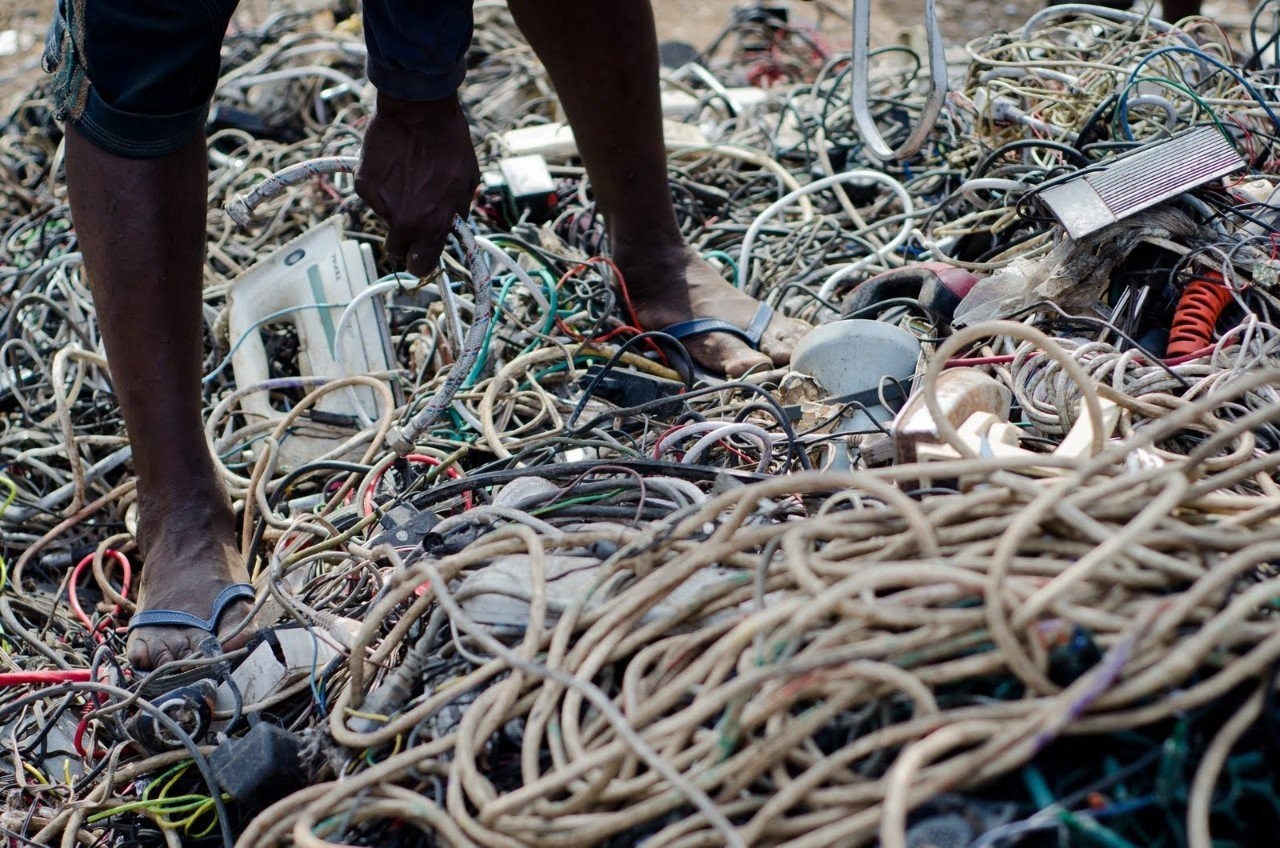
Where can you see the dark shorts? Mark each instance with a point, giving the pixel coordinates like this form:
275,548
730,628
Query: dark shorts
136,76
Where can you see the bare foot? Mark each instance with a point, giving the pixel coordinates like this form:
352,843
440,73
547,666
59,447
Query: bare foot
188,544
653,278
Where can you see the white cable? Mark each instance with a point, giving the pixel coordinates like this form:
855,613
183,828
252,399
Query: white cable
753,157
715,431
336,77
535,291
598,699
861,176
340,333
685,431
741,427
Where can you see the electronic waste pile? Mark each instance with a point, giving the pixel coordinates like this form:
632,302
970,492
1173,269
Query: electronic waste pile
993,565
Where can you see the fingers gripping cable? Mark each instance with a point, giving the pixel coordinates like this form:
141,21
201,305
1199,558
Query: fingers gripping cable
401,438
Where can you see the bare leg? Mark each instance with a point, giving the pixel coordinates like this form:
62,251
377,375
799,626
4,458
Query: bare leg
603,59
141,225
1176,10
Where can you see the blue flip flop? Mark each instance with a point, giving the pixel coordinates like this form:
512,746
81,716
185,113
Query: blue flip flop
175,618
702,326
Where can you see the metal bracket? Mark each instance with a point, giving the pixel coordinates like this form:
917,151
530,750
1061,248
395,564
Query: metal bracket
860,102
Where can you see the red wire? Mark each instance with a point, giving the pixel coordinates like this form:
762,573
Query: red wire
633,327
622,282
77,740
451,472
1197,313
27,678
1187,357
742,455
663,438
73,595
722,442
962,362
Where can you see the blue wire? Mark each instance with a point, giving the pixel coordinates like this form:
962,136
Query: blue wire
316,691
1122,105
249,332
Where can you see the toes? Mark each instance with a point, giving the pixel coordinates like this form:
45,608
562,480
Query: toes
152,647
159,654
727,355
781,338
138,651
748,361
724,354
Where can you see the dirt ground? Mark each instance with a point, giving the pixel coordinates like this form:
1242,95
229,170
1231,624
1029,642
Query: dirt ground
695,21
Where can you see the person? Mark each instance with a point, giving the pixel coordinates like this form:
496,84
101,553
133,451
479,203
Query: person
1170,10
1175,10
132,79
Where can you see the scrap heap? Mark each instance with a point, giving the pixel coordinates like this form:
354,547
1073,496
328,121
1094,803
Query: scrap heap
993,564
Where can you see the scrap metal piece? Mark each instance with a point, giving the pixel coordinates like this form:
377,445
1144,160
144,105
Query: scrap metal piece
1139,179
861,81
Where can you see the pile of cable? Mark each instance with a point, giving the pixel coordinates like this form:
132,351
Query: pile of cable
796,661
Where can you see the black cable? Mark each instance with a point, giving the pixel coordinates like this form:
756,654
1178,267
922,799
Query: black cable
652,467
686,371
171,726
767,397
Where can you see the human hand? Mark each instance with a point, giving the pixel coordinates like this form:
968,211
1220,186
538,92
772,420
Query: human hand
417,170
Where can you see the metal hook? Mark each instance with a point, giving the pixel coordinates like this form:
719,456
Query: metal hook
861,84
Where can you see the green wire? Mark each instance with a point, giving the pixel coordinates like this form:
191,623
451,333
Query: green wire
8,501
511,279
1204,107
578,359
1094,831
1043,797
164,807
585,499
721,256
13,494
165,782
161,807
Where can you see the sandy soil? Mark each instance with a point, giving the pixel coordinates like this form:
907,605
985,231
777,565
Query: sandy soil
695,21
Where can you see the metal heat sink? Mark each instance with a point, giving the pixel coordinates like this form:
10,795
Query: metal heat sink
1139,179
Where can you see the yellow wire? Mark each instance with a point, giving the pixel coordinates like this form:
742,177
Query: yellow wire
156,795
4,507
190,821
13,493
35,772
160,809
165,782
8,501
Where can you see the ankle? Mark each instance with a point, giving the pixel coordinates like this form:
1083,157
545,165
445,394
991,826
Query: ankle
196,508
655,272
640,243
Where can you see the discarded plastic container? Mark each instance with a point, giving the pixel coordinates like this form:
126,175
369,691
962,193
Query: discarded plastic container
961,392
851,358
307,283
